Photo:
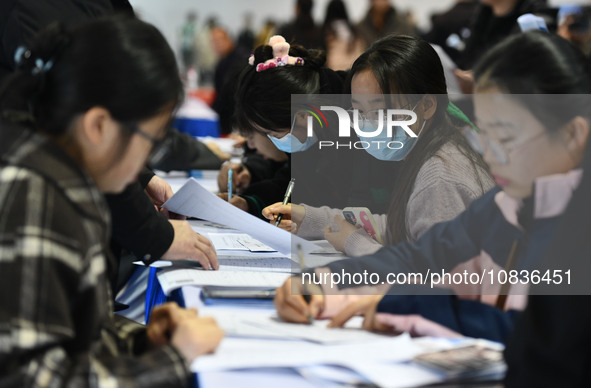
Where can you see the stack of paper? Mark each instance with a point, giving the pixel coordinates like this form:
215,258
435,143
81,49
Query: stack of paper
195,201
176,278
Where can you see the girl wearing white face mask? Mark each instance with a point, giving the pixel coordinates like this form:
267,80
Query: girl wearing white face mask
277,71
436,174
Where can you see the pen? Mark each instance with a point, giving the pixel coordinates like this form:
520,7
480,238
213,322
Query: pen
305,292
286,199
230,184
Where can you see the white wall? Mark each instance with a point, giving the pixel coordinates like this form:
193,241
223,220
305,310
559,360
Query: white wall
168,15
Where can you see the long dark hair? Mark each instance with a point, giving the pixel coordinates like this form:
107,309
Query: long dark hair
407,65
119,63
539,63
263,98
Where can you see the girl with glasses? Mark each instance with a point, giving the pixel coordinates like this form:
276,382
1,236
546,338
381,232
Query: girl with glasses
80,117
532,107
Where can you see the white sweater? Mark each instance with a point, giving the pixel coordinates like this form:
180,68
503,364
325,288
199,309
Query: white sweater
444,187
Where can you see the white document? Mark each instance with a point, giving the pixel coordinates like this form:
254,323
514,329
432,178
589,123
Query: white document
226,241
174,279
256,378
325,248
315,332
266,324
394,375
235,263
238,353
265,264
195,201
244,264
237,242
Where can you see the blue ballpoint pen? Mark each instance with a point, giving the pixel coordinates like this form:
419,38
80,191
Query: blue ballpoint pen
230,183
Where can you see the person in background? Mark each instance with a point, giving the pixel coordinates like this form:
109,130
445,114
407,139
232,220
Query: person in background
382,19
493,21
450,28
343,45
574,25
246,36
232,59
303,29
81,114
206,56
534,146
188,42
265,33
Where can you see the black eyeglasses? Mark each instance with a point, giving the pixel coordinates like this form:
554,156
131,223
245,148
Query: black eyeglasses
160,147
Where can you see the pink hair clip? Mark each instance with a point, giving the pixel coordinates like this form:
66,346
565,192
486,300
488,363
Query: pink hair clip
265,66
281,55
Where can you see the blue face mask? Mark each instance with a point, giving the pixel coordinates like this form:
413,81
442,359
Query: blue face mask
290,144
386,148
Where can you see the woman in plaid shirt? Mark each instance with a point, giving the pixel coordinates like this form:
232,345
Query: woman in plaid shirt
80,117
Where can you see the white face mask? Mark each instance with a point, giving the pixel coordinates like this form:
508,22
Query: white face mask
386,148
290,144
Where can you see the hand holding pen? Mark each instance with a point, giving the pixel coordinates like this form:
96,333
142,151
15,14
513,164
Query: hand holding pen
293,215
241,178
305,289
286,198
297,301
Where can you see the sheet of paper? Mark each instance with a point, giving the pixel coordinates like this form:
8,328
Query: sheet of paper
325,248
264,323
266,264
255,378
236,263
254,245
172,279
384,362
194,200
237,353
226,241
238,242
315,332
333,376
394,375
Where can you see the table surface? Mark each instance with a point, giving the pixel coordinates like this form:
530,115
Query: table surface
396,374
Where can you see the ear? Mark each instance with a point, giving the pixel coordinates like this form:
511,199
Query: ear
429,106
96,126
576,134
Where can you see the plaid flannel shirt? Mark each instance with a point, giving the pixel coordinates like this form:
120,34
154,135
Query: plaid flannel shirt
57,328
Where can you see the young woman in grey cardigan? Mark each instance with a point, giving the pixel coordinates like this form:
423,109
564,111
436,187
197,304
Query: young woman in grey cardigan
437,173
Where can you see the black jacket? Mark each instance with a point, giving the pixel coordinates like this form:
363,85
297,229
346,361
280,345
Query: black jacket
550,344
487,29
